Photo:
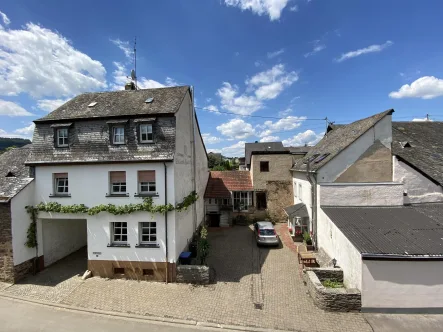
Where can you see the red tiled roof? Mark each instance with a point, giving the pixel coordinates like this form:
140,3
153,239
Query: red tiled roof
221,183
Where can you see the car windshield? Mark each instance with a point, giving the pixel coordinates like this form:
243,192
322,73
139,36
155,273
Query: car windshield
267,232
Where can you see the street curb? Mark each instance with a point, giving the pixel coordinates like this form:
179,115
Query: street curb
155,319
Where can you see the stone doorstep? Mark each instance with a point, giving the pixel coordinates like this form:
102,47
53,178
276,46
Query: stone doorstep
152,319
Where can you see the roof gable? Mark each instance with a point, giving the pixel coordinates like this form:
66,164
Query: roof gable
257,148
221,183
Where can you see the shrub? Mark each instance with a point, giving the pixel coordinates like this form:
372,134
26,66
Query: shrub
332,283
307,238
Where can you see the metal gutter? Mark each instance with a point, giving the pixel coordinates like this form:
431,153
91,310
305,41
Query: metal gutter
166,222
394,257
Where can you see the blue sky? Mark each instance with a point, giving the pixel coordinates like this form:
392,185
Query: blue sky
294,61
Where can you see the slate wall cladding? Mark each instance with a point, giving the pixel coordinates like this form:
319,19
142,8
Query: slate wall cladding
6,256
89,141
23,270
193,274
331,299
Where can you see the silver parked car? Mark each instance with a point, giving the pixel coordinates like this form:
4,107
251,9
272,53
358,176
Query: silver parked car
265,233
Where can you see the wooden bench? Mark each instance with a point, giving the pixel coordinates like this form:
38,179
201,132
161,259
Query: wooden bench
305,257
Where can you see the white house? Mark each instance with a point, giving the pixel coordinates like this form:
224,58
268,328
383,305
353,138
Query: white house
355,184
119,148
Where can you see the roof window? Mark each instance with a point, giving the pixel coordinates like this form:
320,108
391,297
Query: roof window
405,145
311,158
149,100
323,156
10,175
92,104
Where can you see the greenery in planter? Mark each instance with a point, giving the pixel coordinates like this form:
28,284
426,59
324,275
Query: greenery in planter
307,238
31,236
332,283
203,246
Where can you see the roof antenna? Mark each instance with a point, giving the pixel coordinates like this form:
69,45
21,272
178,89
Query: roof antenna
134,71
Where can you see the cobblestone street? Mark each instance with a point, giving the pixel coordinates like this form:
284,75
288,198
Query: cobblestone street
256,287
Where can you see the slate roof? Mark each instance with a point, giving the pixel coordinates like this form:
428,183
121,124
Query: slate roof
120,103
299,149
221,183
337,140
257,148
297,210
403,231
12,163
424,151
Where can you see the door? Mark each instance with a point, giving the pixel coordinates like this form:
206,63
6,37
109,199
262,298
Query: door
261,201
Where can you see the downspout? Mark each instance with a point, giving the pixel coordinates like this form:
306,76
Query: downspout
166,223
313,182
194,185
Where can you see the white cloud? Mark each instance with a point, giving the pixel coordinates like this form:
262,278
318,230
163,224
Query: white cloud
5,19
258,63
272,8
308,137
426,87
213,109
293,8
422,120
276,53
214,150
12,109
238,104
209,139
124,46
366,50
26,131
318,46
4,133
285,112
49,105
41,62
285,124
236,150
236,129
121,78
294,99
270,139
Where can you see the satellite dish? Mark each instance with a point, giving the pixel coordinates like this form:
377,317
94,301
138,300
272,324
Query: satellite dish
133,74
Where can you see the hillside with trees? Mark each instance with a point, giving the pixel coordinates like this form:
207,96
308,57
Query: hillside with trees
6,143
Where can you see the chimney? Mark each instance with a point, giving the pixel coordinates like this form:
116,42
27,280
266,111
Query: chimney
130,86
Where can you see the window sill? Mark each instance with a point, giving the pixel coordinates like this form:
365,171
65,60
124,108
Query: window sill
146,142
60,195
117,195
117,245
152,245
146,195
62,147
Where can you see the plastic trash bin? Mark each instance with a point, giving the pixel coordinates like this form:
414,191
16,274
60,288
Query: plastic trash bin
185,258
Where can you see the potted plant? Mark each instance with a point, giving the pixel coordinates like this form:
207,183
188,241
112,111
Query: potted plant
298,235
308,241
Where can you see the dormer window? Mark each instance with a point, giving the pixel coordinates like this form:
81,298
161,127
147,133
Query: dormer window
118,135
62,137
146,135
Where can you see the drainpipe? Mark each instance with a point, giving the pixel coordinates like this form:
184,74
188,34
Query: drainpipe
194,185
166,223
313,182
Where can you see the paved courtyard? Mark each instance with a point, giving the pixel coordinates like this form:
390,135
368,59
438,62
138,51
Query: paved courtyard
255,287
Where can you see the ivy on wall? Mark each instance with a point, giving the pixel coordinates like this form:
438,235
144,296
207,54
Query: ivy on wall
146,206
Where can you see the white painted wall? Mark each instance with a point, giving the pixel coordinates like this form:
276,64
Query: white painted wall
20,224
339,164
402,284
306,197
62,237
419,188
361,194
337,246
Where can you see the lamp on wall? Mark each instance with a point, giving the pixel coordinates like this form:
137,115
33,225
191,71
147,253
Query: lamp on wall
334,262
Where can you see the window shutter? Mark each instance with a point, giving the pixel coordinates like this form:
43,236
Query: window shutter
146,176
118,177
60,175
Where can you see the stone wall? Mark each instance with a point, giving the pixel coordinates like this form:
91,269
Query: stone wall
26,268
279,169
327,273
331,299
193,274
6,256
279,194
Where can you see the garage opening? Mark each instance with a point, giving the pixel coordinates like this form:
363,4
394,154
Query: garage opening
62,237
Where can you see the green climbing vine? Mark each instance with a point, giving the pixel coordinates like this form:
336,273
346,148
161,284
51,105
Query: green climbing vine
146,206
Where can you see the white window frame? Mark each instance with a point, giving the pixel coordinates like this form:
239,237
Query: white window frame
118,137
300,191
63,135
64,185
146,129
151,227
295,189
149,185
123,226
248,199
120,186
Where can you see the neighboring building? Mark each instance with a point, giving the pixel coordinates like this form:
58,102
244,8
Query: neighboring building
118,148
16,192
228,193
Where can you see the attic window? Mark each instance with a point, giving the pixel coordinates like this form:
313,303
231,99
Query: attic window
311,158
405,144
92,104
10,175
149,100
323,156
